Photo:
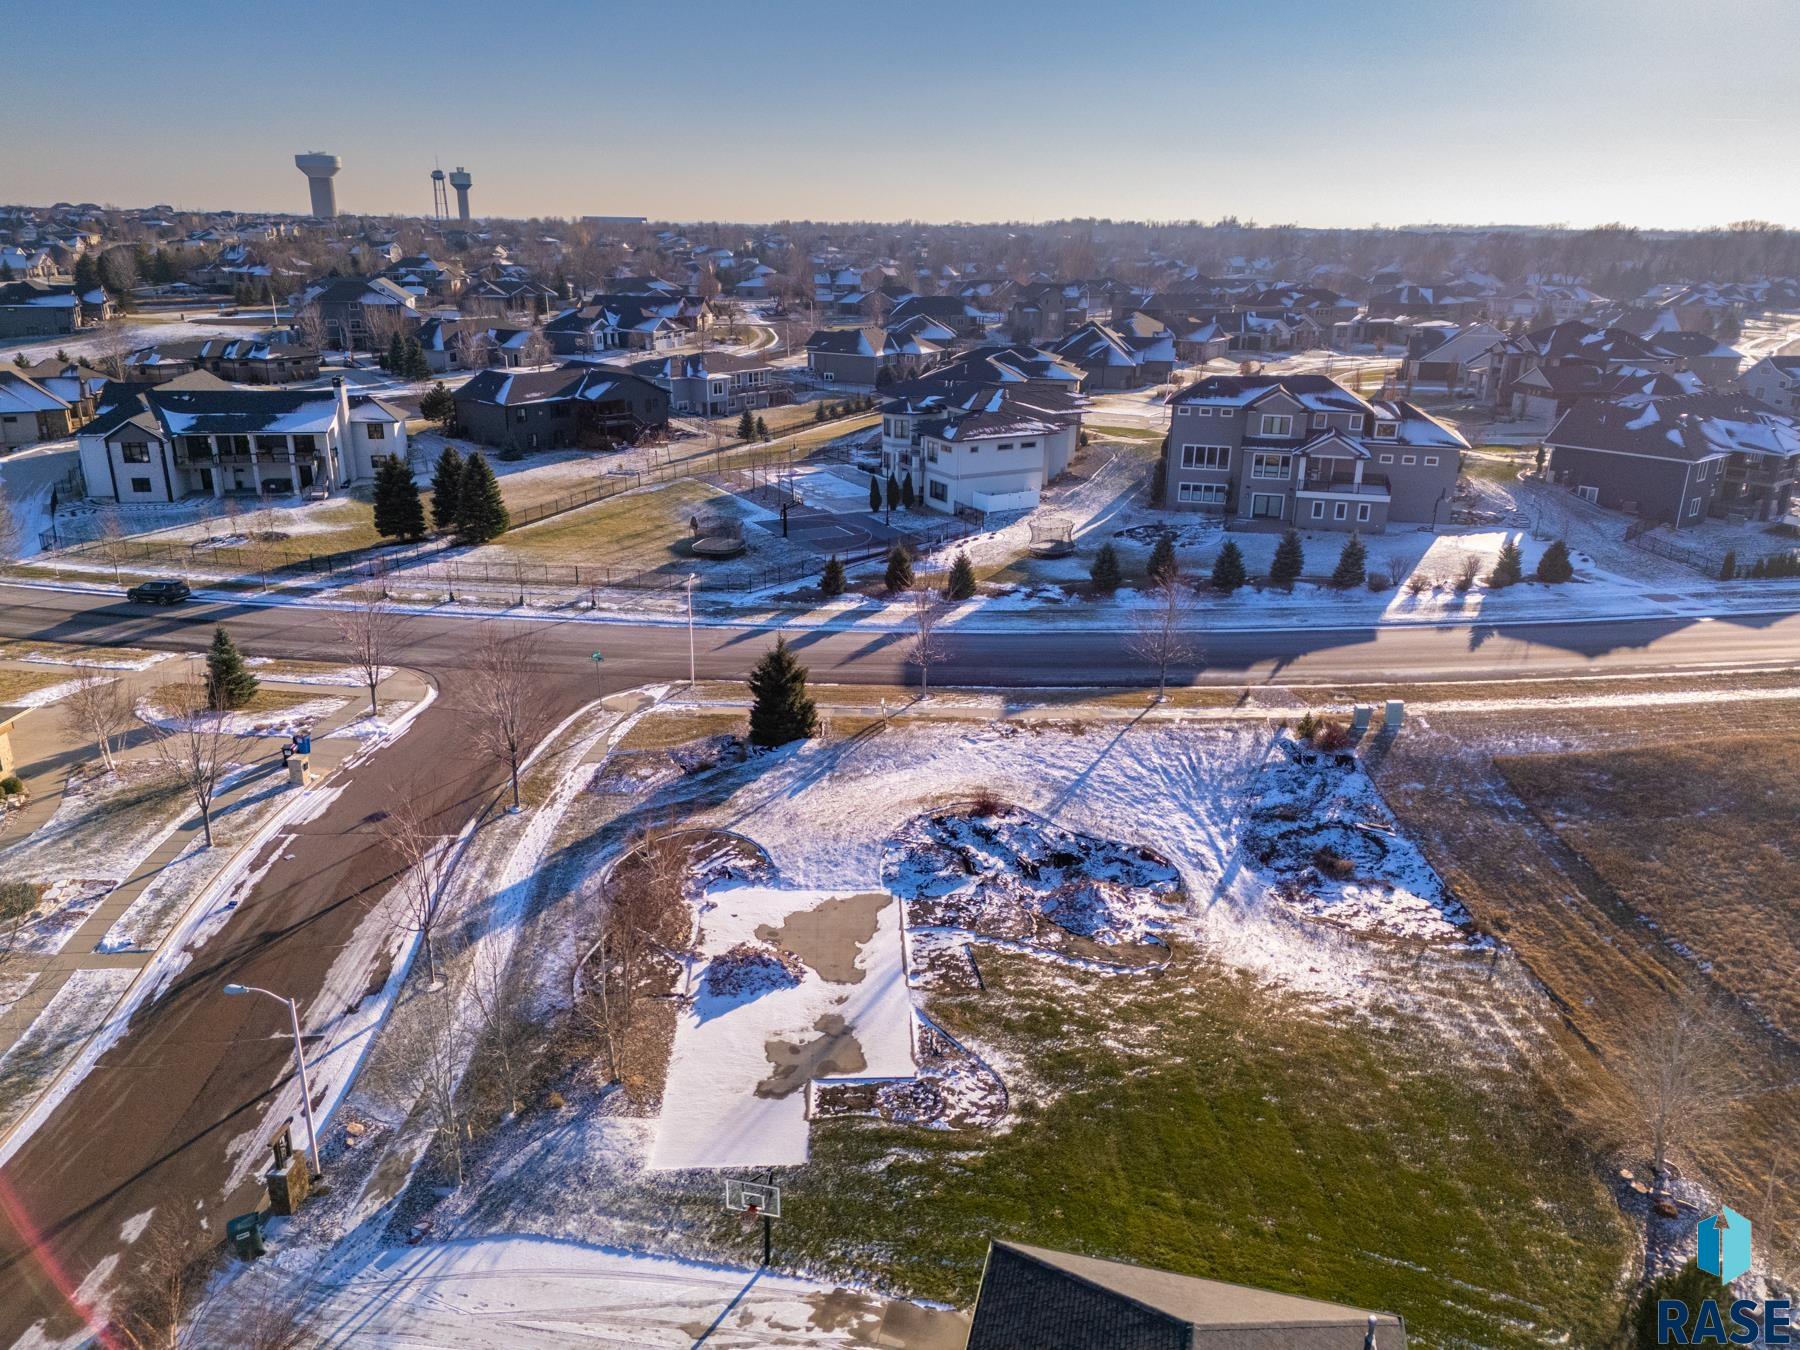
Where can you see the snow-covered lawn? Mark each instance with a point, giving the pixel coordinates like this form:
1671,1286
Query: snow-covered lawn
293,716
103,827
59,1031
735,1093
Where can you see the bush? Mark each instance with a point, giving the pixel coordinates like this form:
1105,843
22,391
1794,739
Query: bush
1333,865
1331,736
12,785
1509,567
1377,582
831,580
986,803
1728,567
1555,567
1465,579
1418,583
1307,727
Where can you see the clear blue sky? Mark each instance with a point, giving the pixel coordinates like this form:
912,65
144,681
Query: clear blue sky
1656,112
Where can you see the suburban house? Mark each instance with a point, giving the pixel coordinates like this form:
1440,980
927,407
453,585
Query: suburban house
977,443
579,405
1048,310
512,295
1114,358
197,434
361,313
36,308
31,412
867,357
962,317
640,323
238,360
1775,380
713,384
1715,362
1427,302
1441,358
1305,451
1678,460
1050,1300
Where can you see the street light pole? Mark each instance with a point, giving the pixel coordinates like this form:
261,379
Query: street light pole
692,578
312,1134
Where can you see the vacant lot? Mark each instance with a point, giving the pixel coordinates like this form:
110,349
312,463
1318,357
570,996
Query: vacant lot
1699,838
635,530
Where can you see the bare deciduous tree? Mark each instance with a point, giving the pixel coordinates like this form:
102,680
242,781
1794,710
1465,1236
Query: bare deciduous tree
369,629
10,536
151,1311
424,859
98,708
643,903
1160,636
924,644
431,1039
192,742
110,349
536,351
309,323
472,344
505,702
18,901
505,1028
110,540
1680,1070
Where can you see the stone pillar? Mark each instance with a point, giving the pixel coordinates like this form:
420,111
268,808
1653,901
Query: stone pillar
218,466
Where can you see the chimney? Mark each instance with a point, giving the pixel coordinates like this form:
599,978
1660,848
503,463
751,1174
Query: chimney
343,401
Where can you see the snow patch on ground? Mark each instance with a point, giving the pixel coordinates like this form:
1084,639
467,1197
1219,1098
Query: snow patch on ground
53,1040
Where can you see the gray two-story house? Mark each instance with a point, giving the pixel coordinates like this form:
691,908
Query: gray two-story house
1303,450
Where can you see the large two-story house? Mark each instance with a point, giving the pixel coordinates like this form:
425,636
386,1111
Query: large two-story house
1775,380
199,435
1678,460
1305,451
713,384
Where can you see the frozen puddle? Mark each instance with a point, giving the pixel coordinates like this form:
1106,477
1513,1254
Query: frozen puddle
734,1096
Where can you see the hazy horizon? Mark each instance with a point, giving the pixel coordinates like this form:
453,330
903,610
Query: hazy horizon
1322,115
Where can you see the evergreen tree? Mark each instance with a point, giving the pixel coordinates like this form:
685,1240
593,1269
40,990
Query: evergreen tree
438,404
831,580
906,491
87,275
399,514
1727,567
1352,564
1162,566
762,430
1228,571
21,360
819,411
874,494
1689,1285
229,683
1555,566
893,492
1105,572
1290,561
480,511
746,428
780,711
1509,567
394,361
961,583
446,488
899,569
415,366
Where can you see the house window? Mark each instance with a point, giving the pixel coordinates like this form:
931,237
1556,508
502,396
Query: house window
1027,445
1210,494
829,377
1431,461
1004,445
937,491
931,451
1588,493
1387,459
1318,419
1341,511
1271,466
140,485
376,431
1227,412
1384,431
1277,424
1204,412
1356,423
1318,510
1206,457
134,452
1409,459
1362,511
1694,506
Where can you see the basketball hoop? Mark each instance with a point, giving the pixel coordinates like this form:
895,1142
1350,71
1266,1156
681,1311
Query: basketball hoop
749,1217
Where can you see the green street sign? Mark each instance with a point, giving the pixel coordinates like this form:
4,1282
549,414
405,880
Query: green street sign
598,657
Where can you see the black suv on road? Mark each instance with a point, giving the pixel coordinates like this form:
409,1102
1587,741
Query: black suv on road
169,592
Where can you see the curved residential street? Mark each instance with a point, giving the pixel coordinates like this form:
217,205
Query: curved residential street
156,1119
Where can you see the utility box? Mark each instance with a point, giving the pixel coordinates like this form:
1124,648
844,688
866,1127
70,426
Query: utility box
1360,717
289,1178
297,771
1396,714
245,1234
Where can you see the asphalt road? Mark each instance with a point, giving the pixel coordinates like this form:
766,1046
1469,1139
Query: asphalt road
151,1124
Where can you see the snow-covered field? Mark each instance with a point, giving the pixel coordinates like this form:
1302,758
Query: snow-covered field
55,1037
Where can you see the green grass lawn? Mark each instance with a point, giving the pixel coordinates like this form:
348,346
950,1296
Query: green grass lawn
1198,1123
1101,431
633,530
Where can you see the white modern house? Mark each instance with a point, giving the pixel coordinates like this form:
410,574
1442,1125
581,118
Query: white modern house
198,435
992,461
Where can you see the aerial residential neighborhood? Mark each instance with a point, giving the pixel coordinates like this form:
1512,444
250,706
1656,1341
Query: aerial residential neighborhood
661,686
